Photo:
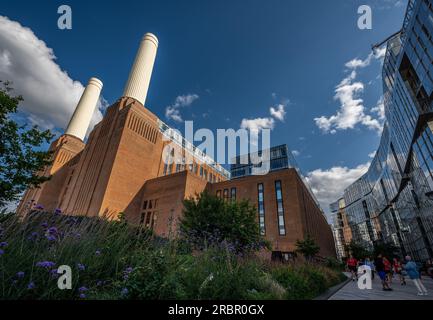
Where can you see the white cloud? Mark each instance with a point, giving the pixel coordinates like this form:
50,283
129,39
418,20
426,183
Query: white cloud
258,124
328,185
296,153
50,95
351,111
278,112
372,154
358,63
173,111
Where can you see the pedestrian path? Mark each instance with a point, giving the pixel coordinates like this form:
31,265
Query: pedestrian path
408,292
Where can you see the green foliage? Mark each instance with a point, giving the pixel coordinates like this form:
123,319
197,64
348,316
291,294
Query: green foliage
305,281
357,250
113,260
307,247
209,220
334,264
386,249
20,159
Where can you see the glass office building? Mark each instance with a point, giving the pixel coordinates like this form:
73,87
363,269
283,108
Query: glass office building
393,201
276,158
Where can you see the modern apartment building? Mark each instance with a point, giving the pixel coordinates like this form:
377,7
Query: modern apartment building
134,163
341,228
393,201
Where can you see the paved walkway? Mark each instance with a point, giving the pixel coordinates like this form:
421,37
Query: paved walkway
408,292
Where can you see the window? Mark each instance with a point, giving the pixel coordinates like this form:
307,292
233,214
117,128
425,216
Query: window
261,208
195,168
205,174
178,167
201,171
145,205
233,194
280,208
226,194
218,193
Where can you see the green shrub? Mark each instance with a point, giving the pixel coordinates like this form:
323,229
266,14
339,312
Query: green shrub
305,281
112,260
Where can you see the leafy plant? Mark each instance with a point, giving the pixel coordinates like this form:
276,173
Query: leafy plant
20,158
208,220
307,247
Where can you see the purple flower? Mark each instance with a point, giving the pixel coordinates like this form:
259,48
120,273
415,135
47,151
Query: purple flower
82,289
3,244
82,296
31,285
45,264
58,211
44,224
39,207
1,252
20,274
99,283
124,292
52,230
54,274
51,238
97,252
81,266
127,272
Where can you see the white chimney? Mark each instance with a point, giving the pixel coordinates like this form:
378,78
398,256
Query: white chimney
141,72
80,120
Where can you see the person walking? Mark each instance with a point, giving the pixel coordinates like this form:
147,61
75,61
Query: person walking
380,268
413,273
352,265
388,270
429,267
396,264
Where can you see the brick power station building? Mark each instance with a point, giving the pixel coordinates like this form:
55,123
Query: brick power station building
121,168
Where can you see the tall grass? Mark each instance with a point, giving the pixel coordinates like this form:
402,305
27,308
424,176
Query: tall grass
112,260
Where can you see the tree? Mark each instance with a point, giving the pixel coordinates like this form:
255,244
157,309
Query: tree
307,247
210,221
20,160
387,249
357,250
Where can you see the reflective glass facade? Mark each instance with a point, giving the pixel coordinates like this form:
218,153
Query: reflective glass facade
393,201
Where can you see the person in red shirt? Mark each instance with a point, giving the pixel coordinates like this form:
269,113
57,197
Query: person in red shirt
352,265
397,270
388,270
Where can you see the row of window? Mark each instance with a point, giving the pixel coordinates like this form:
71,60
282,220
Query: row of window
147,219
194,168
226,196
150,204
261,205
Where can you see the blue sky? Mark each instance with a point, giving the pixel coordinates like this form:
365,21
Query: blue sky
237,58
